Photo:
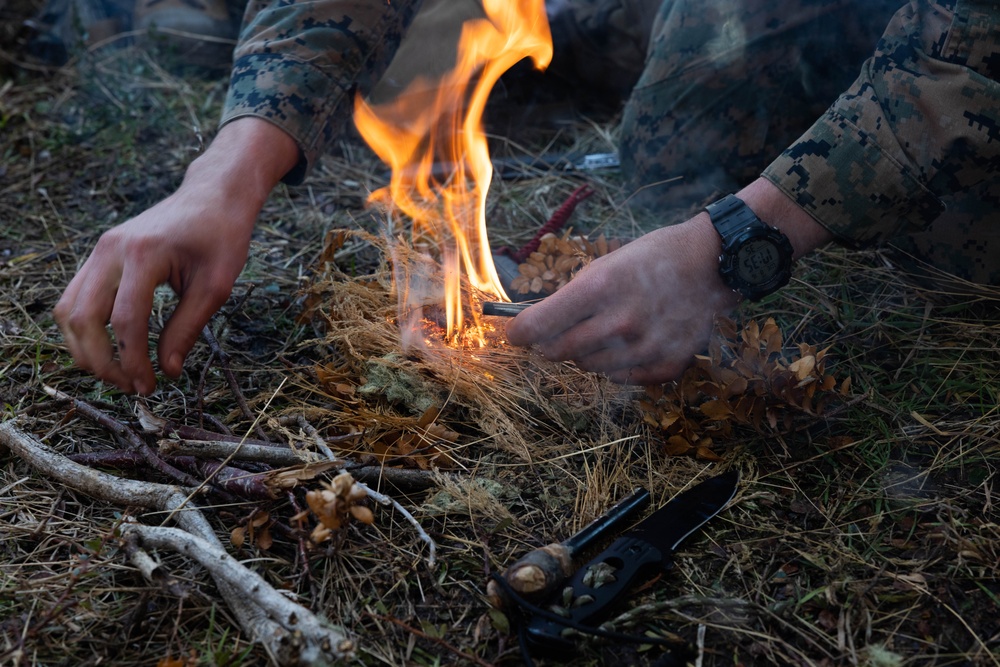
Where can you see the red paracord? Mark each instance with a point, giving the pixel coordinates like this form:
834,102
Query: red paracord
554,224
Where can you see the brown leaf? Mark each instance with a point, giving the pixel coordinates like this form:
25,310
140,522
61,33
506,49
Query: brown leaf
717,409
288,478
334,241
238,536
706,454
430,414
803,367
677,446
264,539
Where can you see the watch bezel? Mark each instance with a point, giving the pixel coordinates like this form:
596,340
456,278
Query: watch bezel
737,225
729,261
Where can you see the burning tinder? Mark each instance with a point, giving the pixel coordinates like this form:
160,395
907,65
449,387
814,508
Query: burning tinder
413,132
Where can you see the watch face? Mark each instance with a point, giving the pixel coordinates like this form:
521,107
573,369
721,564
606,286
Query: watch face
758,262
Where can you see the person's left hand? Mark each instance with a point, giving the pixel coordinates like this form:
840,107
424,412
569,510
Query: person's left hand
638,314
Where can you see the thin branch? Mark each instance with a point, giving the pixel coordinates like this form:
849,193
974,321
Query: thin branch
405,479
421,533
130,437
288,631
218,449
234,386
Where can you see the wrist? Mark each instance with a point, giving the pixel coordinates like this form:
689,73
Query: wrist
706,245
777,209
247,158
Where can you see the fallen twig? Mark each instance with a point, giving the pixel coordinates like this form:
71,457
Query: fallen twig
150,568
318,440
234,386
383,499
218,449
130,437
290,633
242,484
406,479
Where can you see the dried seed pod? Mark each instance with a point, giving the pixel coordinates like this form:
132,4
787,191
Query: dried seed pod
528,270
556,260
335,504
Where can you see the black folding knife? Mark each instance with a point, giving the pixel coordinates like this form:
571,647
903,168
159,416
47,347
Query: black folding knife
631,559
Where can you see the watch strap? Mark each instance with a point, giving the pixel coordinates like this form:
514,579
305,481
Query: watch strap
730,215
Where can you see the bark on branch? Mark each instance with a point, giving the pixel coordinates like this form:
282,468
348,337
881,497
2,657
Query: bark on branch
289,632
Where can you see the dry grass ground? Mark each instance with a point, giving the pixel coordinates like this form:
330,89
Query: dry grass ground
868,537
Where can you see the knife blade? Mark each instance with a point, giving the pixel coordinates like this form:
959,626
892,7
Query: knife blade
632,558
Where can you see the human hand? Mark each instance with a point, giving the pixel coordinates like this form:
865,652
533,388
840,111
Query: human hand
638,314
196,241
188,241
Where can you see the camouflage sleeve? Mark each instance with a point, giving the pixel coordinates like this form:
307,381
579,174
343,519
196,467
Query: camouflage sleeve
922,121
298,63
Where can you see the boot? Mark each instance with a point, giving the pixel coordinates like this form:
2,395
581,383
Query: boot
198,33
67,28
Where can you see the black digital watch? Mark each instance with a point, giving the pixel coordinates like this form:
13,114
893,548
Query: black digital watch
756,258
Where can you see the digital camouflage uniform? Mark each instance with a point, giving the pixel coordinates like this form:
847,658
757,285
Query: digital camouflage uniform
909,155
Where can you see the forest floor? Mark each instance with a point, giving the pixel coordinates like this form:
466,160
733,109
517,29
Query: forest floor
865,533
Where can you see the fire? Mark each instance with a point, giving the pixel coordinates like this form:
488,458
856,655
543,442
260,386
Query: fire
412,133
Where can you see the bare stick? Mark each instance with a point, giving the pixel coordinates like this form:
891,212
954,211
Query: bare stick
234,386
225,568
421,533
218,449
130,437
407,479
290,633
150,568
317,438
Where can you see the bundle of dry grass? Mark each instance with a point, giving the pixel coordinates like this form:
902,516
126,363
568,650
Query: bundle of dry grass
502,396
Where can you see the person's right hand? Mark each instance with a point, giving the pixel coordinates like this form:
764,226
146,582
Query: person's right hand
196,241
188,241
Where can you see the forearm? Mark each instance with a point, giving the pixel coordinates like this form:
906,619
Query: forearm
299,64
244,162
778,210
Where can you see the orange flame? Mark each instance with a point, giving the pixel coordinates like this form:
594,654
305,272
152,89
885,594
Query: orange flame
412,132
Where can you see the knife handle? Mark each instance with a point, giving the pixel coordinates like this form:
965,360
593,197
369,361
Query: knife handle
538,574
631,559
534,576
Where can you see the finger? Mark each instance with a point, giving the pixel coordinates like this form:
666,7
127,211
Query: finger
550,317
82,313
130,321
185,325
586,338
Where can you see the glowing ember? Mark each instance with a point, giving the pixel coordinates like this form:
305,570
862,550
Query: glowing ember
413,132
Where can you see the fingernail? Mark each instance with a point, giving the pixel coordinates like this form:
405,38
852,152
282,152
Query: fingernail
175,362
